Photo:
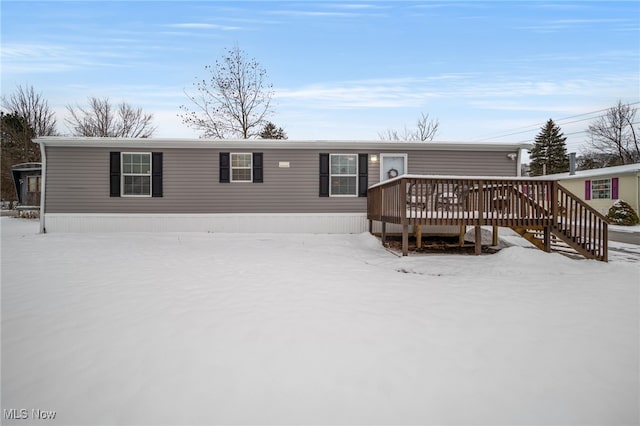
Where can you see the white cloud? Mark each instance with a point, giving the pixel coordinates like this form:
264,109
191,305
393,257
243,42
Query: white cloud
359,6
204,26
26,58
563,24
483,91
354,96
309,13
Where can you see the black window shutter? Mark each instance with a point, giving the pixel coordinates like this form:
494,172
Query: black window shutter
363,174
225,167
114,174
324,175
156,174
258,176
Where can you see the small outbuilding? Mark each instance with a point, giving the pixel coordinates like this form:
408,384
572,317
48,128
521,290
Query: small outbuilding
27,178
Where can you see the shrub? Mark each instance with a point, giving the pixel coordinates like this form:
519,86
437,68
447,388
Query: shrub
621,213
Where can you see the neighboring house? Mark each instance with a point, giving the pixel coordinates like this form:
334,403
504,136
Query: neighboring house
27,179
104,184
601,188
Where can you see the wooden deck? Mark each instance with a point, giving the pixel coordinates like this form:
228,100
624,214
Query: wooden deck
536,209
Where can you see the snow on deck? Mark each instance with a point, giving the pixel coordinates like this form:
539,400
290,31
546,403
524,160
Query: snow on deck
310,329
419,213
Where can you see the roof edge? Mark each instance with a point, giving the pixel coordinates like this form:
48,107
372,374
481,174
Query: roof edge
625,169
63,141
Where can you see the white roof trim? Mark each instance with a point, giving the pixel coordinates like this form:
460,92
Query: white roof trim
605,171
274,144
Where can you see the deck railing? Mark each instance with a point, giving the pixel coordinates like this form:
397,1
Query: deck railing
580,226
477,201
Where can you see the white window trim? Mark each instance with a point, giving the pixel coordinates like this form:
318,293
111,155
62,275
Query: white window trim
598,190
122,175
404,155
331,175
240,168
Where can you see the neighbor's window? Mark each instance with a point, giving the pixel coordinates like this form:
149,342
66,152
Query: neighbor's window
241,167
33,183
136,174
343,174
601,189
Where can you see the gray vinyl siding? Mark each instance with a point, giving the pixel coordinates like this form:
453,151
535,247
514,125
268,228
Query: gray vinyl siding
462,163
77,180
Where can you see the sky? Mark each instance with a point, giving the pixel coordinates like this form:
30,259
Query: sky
487,71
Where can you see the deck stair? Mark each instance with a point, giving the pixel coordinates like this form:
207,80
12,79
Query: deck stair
577,229
542,211
556,244
534,235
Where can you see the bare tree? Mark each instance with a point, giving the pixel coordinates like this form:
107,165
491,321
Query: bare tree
101,119
25,114
595,160
33,108
426,129
234,101
614,134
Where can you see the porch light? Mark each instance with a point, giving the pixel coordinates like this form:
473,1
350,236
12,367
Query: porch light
374,158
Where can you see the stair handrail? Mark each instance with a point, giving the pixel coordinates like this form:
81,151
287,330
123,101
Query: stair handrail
579,223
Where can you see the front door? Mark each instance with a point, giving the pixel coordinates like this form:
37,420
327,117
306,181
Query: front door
392,165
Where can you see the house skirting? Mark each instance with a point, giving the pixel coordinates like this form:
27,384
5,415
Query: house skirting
303,223
321,223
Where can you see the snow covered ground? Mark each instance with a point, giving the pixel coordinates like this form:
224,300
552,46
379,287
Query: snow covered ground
631,229
311,329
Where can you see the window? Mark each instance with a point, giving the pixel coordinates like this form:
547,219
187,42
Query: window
343,174
33,183
241,167
136,174
601,189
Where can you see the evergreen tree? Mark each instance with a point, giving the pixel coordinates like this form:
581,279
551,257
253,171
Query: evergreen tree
270,131
621,213
17,147
549,150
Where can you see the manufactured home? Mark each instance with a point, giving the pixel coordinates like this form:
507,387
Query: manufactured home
110,185
601,188
102,184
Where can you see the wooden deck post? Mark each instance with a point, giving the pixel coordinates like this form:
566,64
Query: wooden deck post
495,235
463,231
405,239
554,202
403,217
547,239
418,235
478,239
605,243
480,202
384,232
